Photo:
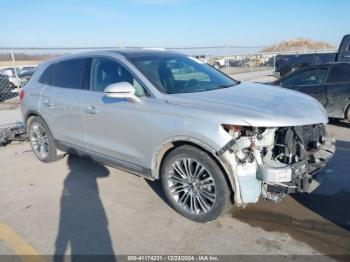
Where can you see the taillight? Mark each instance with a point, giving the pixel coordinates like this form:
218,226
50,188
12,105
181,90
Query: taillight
21,95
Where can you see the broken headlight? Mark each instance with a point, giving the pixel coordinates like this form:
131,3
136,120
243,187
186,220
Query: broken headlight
233,130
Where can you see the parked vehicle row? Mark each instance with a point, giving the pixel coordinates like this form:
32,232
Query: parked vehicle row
5,87
220,62
209,138
9,82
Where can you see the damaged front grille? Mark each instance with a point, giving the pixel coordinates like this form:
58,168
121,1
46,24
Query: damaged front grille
300,148
276,160
294,144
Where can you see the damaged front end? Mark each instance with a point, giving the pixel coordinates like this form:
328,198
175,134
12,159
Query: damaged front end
274,162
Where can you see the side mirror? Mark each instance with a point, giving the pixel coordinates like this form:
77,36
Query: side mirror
121,90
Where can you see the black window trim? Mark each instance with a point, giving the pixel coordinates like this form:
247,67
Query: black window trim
87,84
148,93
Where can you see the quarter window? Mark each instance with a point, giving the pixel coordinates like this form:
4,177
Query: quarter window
47,75
306,78
106,72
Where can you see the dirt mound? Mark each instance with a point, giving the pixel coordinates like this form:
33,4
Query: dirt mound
299,44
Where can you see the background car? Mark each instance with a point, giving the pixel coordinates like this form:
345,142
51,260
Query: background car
328,83
9,83
5,88
25,75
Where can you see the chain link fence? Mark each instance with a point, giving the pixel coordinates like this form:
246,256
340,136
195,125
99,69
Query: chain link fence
17,65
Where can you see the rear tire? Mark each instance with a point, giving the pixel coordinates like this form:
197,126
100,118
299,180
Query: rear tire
194,184
41,140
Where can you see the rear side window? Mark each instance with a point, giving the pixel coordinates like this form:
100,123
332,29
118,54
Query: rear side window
339,74
47,75
71,73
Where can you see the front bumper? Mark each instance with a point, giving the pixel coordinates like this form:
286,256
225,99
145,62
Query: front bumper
257,179
304,176
321,158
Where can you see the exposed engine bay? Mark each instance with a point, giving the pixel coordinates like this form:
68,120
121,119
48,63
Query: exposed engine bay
274,162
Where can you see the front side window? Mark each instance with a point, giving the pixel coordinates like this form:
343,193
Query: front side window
176,74
70,73
305,78
106,72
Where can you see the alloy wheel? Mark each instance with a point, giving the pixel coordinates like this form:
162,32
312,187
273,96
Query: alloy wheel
192,186
39,140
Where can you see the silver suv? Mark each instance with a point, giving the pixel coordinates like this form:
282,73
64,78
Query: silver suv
212,141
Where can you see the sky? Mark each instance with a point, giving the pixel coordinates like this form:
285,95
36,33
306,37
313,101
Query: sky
169,23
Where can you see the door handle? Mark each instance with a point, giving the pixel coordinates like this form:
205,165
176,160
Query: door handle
91,110
48,103
345,56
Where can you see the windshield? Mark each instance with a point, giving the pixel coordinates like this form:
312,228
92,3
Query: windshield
180,74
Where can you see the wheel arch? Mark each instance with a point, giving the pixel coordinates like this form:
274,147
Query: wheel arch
171,144
30,114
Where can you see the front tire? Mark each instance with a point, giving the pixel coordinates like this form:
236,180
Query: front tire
41,140
194,184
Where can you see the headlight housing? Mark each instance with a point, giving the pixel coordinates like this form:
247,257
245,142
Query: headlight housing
233,130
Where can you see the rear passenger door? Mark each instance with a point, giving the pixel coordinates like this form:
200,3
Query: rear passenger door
116,129
60,102
338,90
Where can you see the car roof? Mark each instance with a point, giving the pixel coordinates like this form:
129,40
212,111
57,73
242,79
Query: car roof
125,52
129,52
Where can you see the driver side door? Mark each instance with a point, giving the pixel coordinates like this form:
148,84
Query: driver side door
116,129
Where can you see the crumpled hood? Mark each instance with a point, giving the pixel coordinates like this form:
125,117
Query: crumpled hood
256,104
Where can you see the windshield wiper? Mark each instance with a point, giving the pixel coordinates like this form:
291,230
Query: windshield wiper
225,86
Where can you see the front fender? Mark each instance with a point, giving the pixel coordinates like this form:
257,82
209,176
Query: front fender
170,143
